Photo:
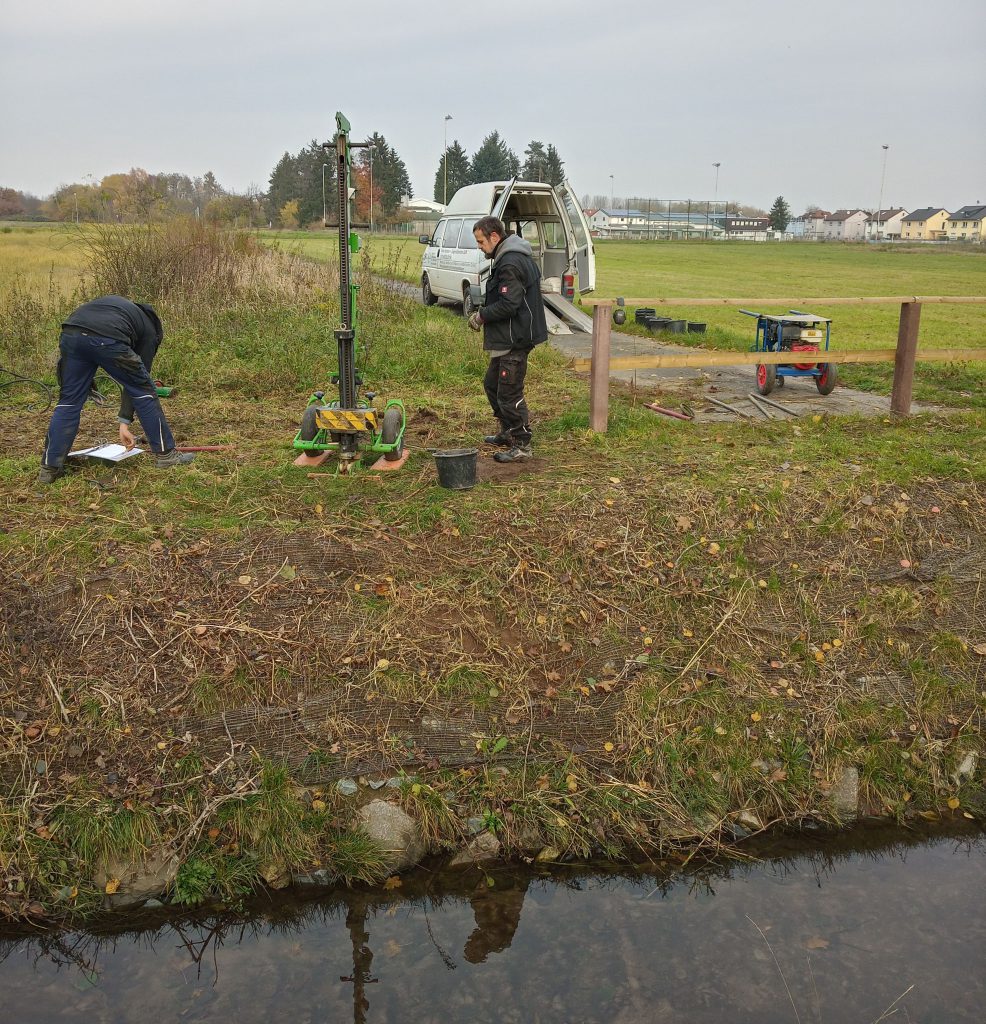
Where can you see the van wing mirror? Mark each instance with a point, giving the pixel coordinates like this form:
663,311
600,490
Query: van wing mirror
424,239
477,294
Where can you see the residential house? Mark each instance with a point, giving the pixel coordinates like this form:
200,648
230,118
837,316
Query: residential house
752,229
809,225
967,224
925,225
885,225
845,225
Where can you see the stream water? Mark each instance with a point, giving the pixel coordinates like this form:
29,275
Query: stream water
865,927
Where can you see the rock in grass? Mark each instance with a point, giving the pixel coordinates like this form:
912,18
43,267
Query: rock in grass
395,832
137,882
347,787
845,795
483,848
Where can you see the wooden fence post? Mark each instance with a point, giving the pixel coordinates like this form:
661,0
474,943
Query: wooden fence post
907,346
599,374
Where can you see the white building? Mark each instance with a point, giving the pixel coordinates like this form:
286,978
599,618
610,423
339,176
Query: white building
845,225
885,224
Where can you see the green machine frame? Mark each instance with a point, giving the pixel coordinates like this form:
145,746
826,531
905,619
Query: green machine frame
351,423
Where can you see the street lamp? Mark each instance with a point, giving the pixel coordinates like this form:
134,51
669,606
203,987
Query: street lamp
75,196
371,148
448,117
883,175
325,213
612,201
715,193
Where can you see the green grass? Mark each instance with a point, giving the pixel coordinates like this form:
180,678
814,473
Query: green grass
606,537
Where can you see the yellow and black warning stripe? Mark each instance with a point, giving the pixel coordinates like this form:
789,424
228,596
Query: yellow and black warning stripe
347,421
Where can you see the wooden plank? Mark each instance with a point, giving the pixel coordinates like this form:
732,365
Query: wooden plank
801,303
599,368
907,347
704,358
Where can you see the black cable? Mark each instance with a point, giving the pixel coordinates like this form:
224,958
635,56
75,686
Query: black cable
39,385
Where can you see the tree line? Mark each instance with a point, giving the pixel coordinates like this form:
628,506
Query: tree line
302,186
495,161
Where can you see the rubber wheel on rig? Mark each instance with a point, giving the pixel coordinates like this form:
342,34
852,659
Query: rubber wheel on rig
766,377
827,380
428,297
780,381
309,428
393,418
468,306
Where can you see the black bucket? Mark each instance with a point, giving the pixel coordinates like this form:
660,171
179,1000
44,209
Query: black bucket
694,328
677,326
457,468
658,323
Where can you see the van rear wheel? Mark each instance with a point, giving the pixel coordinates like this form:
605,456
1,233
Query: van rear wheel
468,306
428,297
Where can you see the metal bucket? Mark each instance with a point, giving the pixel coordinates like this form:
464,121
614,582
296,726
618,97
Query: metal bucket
457,468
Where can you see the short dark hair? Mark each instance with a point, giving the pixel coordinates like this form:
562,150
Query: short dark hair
489,226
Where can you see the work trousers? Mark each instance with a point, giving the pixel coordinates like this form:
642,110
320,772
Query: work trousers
504,386
82,355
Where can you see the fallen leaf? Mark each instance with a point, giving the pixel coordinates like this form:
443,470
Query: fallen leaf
383,664
201,630
393,882
288,572
816,942
755,716
607,747
953,803
112,885
243,580
980,649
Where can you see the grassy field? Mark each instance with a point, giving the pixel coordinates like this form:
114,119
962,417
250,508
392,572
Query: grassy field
40,256
618,648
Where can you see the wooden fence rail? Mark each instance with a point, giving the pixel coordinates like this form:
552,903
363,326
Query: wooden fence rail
903,356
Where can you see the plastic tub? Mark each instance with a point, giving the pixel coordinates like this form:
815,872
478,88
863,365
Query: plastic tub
694,328
457,468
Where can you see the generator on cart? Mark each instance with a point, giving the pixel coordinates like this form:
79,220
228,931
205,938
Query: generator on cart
349,424
805,336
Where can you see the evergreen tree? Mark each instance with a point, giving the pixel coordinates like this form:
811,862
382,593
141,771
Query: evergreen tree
282,187
780,214
390,178
555,167
494,160
535,162
458,172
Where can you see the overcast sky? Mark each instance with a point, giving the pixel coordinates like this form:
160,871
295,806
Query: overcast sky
790,98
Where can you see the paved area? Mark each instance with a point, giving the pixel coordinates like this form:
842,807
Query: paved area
675,386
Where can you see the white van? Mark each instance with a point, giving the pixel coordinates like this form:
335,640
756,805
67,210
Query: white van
548,216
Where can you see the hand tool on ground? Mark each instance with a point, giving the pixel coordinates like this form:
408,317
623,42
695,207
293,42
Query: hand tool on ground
800,334
667,412
731,408
345,425
777,405
762,409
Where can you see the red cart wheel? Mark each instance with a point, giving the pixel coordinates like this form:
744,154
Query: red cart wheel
766,377
827,379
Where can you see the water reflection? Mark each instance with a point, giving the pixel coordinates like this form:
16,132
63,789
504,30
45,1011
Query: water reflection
836,934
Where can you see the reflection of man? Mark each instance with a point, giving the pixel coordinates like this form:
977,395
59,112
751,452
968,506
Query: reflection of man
513,322
497,914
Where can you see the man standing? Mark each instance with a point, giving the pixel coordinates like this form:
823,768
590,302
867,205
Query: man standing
513,322
122,338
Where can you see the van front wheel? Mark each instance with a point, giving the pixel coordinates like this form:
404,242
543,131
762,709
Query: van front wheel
468,306
428,297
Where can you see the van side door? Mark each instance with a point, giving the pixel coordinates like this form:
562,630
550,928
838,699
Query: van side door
430,258
585,255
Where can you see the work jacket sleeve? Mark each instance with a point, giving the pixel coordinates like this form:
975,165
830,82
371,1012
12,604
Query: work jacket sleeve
145,345
510,290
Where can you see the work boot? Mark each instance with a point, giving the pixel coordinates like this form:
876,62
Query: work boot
49,474
519,453
173,458
501,440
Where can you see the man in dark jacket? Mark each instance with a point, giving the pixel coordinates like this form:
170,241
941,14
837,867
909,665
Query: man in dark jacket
512,321
122,338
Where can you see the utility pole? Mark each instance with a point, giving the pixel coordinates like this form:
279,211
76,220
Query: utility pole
448,117
371,148
325,218
715,192
883,175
